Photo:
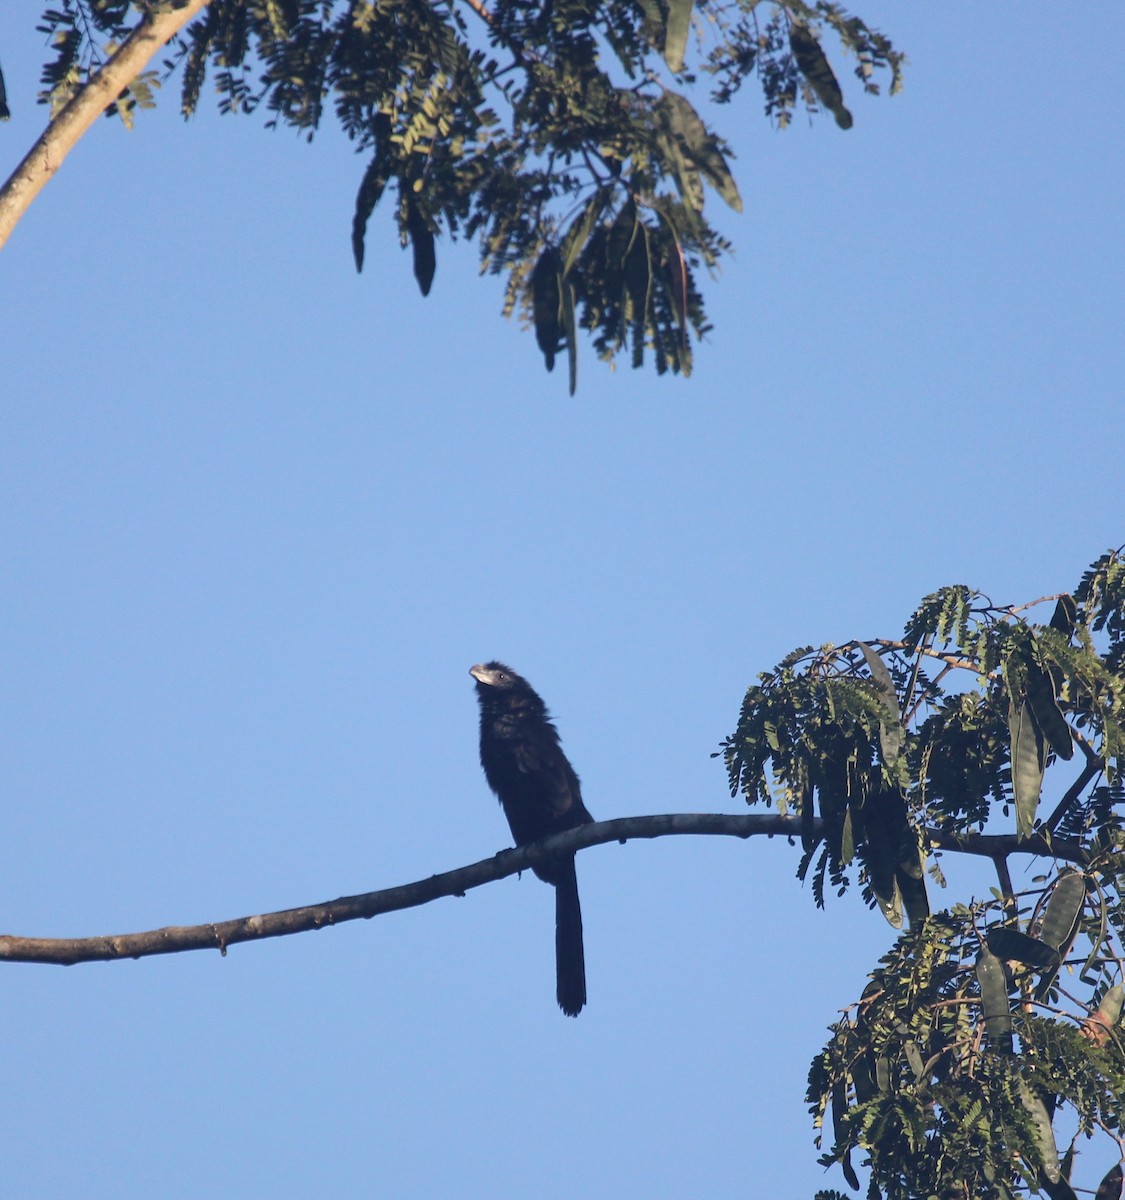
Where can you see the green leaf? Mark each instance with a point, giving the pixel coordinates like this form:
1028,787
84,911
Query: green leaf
1060,922
1006,942
994,1000
422,243
914,1059
1060,1189
1044,1134
813,64
546,303
839,1113
652,27
890,903
1027,764
1063,911
1110,1186
638,286
566,290
1048,715
578,234
847,839
891,731
678,285
1065,616
370,190
912,887
676,33
699,145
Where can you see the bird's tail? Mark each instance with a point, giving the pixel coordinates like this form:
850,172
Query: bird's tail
570,959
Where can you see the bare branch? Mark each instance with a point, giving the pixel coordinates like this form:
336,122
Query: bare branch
1094,766
999,845
1005,877
218,936
953,661
155,30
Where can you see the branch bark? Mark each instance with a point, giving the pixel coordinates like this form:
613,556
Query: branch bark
155,30
219,935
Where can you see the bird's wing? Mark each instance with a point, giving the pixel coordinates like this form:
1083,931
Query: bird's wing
541,758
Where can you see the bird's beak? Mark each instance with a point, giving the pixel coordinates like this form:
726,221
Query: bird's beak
480,673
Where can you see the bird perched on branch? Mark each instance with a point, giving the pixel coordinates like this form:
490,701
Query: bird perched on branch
540,794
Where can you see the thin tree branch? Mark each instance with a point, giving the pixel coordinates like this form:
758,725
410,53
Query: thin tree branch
909,716
1095,764
1005,877
952,660
218,936
999,845
155,30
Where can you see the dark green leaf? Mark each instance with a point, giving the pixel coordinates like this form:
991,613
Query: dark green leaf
370,190
847,839
839,1112
1044,1134
1060,1189
1048,715
994,1000
1060,922
912,888
863,1078
546,298
422,243
699,146
578,234
1065,615
891,732
676,33
678,283
1063,911
814,66
1027,764
1110,1186
1006,942
566,289
914,1059
808,817
652,27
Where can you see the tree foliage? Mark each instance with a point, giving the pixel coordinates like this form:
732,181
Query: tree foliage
970,1049
559,136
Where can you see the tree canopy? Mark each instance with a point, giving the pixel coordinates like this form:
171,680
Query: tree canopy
972,1064
559,136
969,1046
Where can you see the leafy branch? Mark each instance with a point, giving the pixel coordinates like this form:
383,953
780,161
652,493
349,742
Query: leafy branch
949,1072
560,137
106,86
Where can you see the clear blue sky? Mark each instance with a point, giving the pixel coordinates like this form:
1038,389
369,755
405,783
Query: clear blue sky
259,515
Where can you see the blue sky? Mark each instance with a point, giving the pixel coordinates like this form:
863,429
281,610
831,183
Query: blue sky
259,515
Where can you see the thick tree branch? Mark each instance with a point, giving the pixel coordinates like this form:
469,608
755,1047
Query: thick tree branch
83,109
218,936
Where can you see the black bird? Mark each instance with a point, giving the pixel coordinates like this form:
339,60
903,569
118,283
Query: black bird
540,794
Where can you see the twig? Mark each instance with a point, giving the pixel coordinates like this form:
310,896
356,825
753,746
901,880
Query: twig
951,660
1094,766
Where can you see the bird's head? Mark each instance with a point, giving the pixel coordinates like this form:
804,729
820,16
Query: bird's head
496,675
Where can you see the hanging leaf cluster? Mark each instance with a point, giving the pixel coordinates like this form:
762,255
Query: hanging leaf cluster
559,136
963,1058
988,1044
893,749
